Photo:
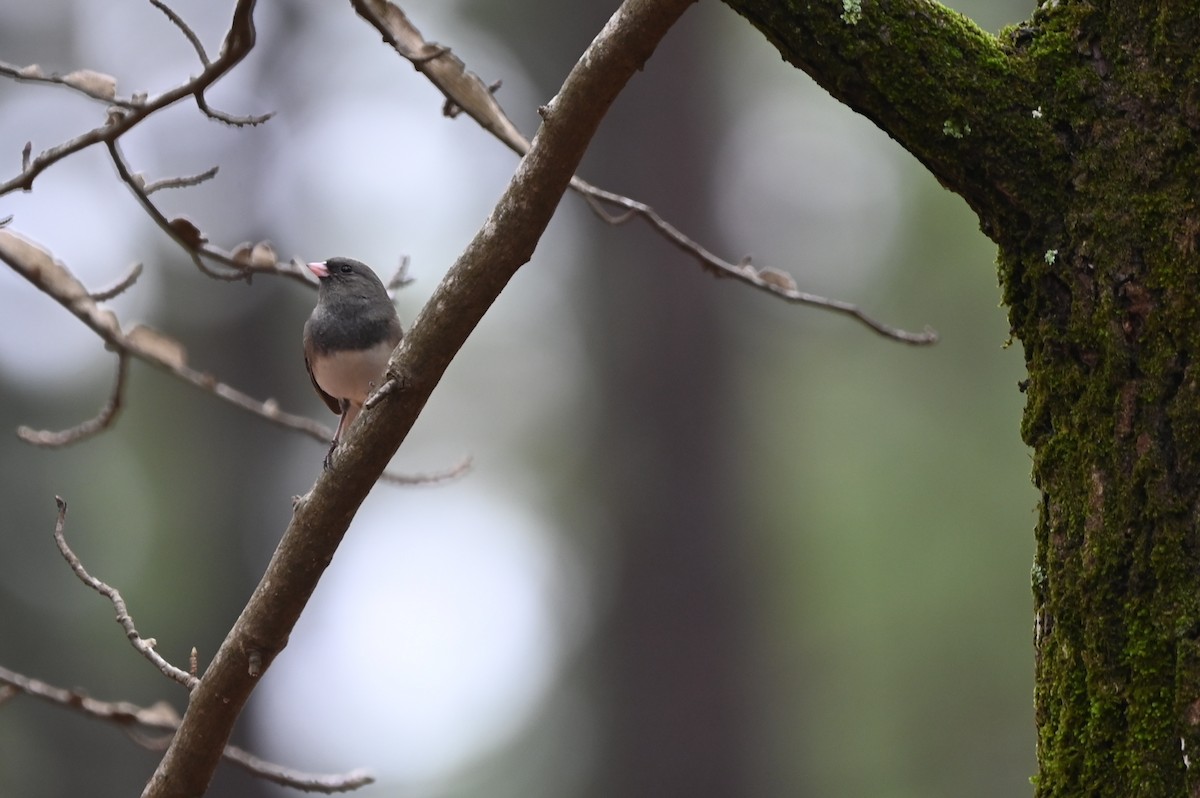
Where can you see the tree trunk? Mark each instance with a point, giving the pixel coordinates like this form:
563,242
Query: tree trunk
670,650
1073,139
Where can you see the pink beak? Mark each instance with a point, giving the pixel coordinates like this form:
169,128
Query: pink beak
319,269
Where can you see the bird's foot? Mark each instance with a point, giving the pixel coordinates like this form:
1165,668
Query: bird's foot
328,461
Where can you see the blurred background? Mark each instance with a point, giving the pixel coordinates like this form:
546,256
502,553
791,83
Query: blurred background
712,544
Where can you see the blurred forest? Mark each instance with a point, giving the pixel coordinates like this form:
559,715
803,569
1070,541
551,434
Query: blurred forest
712,544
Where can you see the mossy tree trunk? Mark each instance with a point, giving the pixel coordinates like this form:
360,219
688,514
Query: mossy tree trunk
1074,139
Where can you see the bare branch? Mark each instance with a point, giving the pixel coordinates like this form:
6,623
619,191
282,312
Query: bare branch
772,281
188,236
451,109
159,716
123,116
230,119
436,477
163,717
464,91
287,777
182,231
269,771
120,287
184,28
446,71
185,181
144,646
238,41
400,279
102,421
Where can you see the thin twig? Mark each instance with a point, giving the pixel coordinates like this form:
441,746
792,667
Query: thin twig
144,646
120,287
159,716
306,782
400,279
100,422
188,236
772,281
162,717
269,771
184,28
124,115
465,91
182,231
185,181
231,119
432,478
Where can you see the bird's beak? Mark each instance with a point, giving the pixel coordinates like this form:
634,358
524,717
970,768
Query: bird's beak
319,269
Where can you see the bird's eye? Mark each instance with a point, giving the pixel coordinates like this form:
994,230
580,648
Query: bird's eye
346,268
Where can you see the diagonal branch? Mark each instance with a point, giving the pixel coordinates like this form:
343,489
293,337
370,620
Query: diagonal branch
466,92
775,282
462,88
144,646
504,243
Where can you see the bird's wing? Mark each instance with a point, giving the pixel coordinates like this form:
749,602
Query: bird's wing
333,404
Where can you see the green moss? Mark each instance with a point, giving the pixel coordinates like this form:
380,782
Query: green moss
851,11
954,130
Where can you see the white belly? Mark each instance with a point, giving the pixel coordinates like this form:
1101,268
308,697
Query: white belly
352,375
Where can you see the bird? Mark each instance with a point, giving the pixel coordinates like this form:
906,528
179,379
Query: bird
348,338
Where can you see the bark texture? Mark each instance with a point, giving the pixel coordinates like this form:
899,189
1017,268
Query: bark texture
1073,137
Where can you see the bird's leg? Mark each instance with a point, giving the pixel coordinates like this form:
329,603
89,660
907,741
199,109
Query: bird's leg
337,436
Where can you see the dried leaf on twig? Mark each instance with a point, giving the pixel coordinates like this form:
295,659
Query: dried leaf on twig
188,233
161,347
95,83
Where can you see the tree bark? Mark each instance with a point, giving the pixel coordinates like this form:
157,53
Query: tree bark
1073,139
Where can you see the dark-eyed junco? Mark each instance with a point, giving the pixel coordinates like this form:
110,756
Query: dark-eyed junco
348,338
